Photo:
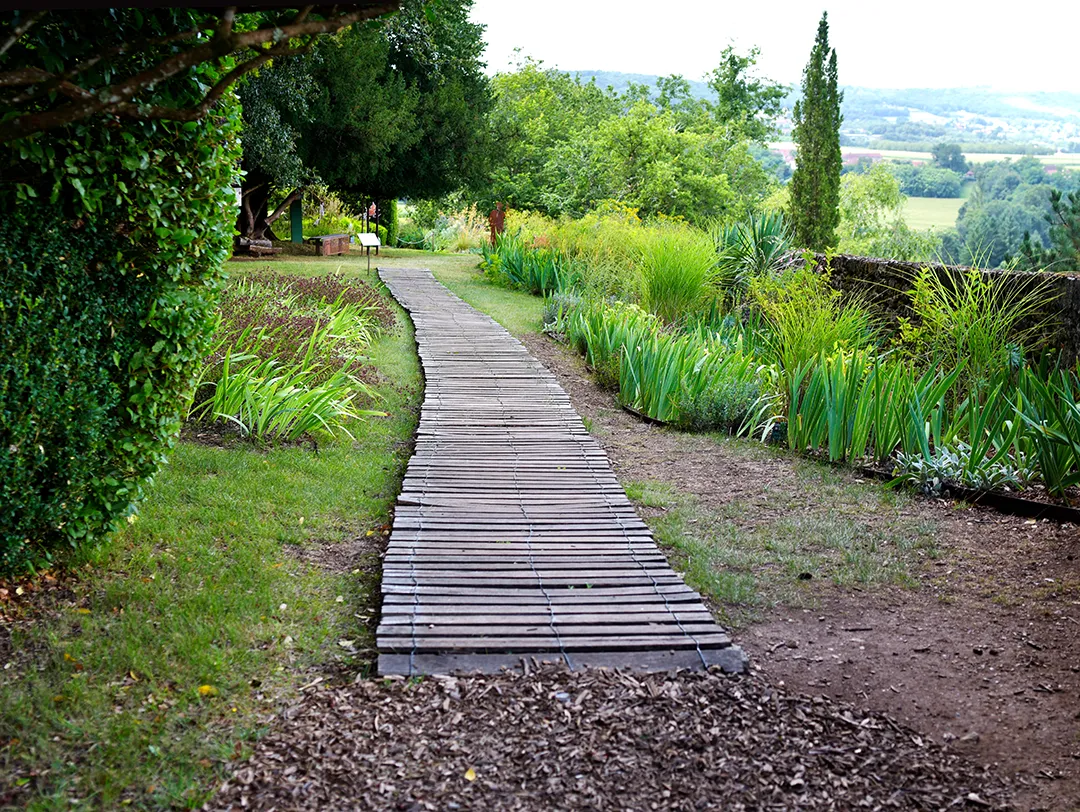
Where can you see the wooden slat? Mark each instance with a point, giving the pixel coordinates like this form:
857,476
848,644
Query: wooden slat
512,535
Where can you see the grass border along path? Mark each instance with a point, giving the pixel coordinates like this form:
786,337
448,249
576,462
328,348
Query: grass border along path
139,679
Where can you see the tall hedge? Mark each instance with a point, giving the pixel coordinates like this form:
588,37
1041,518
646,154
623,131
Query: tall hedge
393,225
112,241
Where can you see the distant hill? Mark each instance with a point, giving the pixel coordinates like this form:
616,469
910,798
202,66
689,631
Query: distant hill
922,115
620,82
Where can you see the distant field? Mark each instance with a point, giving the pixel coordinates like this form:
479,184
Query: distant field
939,212
1071,159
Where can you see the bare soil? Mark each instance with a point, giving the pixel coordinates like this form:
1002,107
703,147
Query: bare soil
981,656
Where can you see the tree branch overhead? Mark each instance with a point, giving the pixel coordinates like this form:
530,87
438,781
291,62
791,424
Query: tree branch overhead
76,102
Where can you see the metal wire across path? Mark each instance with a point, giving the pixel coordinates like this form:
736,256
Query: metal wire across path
512,538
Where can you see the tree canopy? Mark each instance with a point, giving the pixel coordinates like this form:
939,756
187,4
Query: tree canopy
563,146
60,68
394,108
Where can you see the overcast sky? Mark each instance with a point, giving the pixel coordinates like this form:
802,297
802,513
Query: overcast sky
913,43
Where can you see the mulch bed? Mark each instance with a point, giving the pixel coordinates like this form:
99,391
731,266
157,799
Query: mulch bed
596,739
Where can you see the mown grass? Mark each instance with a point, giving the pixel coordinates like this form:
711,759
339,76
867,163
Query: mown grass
186,631
932,212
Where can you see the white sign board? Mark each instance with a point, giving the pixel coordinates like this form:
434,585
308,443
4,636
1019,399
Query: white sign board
368,240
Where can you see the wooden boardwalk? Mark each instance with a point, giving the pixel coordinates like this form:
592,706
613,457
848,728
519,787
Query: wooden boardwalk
512,538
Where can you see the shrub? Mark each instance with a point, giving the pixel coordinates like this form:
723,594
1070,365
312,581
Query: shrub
392,224
464,230
720,391
410,235
753,247
113,239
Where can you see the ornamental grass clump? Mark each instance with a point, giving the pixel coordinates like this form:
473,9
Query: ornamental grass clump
983,319
677,267
1050,409
806,317
539,271
599,330
753,247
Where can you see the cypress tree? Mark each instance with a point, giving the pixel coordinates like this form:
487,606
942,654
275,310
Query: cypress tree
815,184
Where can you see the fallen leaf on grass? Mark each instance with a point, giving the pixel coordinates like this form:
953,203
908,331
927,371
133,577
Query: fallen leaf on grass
69,659
207,690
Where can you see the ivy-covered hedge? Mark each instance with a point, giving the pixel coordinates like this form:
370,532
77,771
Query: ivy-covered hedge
111,249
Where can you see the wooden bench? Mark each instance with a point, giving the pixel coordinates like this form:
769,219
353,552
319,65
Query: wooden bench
331,244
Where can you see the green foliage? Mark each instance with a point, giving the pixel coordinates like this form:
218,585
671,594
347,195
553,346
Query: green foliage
1050,410
677,267
287,356
748,248
927,181
539,271
113,239
326,213
1063,254
465,229
872,219
390,109
973,318
200,578
690,378
855,405
815,184
746,103
566,146
268,400
720,392
599,332
392,223
950,157
952,404
1011,214
808,317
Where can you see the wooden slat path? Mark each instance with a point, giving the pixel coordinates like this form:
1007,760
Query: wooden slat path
512,537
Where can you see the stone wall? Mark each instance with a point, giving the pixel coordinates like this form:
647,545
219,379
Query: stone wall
886,284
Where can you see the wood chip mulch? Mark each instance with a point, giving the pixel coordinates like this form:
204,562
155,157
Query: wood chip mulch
597,739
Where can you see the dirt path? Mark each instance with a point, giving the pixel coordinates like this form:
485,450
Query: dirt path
981,654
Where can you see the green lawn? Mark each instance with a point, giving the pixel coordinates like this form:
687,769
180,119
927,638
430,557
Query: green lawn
938,213
186,631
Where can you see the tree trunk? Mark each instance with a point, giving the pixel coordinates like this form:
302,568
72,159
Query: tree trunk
254,222
251,220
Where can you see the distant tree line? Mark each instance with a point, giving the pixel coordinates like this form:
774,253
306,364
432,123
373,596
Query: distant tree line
1010,203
